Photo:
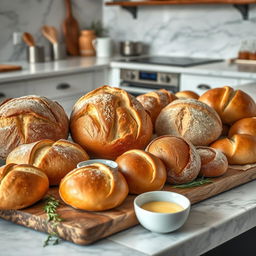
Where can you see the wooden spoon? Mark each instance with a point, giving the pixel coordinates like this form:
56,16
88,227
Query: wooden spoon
28,39
50,33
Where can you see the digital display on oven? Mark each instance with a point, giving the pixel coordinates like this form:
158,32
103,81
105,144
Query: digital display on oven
150,76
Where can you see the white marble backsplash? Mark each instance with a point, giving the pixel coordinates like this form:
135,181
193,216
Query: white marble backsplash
183,30
31,15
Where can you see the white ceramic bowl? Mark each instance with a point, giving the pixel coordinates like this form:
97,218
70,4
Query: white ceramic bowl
161,222
110,163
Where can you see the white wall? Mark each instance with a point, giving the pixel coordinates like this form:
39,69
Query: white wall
30,15
186,30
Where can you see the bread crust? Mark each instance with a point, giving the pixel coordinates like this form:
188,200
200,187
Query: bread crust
187,95
180,157
94,187
108,121
142,170
243,126
21,186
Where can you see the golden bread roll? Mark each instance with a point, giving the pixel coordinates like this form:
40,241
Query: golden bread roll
191,119
179,156
240,149
21,186
187,95
213,162
28,119
243,126
143,171
154,102
55,159
95,187
108,121
230,104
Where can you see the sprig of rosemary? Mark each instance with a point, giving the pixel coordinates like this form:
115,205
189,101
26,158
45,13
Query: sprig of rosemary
195,183
50,208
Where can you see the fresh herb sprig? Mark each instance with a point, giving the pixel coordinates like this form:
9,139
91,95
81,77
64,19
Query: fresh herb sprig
195,183
50,208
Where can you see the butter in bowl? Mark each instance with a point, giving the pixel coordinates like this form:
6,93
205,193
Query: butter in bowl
161,211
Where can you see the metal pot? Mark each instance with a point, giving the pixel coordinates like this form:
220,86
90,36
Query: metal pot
129,48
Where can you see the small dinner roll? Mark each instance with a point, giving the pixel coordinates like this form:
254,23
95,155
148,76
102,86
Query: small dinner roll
187,95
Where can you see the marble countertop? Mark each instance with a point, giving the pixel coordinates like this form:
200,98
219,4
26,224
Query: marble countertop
210,223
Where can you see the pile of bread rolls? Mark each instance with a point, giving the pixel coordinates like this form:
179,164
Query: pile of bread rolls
155,138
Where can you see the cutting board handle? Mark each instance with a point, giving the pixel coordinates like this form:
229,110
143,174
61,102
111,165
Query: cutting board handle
69,8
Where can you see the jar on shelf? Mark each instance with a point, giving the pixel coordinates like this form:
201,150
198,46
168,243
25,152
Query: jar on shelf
252,54
244,50
86,39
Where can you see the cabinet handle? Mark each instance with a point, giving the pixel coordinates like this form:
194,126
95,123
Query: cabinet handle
63,86
2,95
204,87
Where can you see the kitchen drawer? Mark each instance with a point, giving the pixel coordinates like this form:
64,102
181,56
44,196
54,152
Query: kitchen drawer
62,86
200,84
12,90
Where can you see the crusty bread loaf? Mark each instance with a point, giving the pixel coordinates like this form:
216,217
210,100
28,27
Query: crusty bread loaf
108,121
187,95
213,162
179,156
21,186
55,159
143,171
191,119
243,126
154,102
230,104
28,119
94,187
240,149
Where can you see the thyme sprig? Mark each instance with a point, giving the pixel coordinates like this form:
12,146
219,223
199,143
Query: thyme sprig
195,183
50,208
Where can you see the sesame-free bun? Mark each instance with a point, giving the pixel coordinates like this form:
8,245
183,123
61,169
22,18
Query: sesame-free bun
142,170
243,126
55,159
108,121
191,119
28,119
187,95
21,186
179,156
94,187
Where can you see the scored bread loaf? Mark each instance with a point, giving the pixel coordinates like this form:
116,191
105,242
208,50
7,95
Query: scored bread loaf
28,119
230,104
21,186
142,170
94,187
55,159
191,119
243,126
213,162
154,102
179,156
187,95
239,149
108,121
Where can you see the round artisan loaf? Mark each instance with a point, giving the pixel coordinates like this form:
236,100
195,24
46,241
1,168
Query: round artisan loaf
28,119
55,159
108,121
187,95
230,104
179,156
191,119
240,149
95,187
143,171
21,186
213,162
154,102
243,126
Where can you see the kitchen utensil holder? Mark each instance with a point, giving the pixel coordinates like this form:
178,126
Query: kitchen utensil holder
58,51
35,54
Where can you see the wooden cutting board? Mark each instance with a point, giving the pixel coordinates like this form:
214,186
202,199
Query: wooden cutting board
83,227
7,68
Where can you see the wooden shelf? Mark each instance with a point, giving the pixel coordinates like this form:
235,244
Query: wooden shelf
241,5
